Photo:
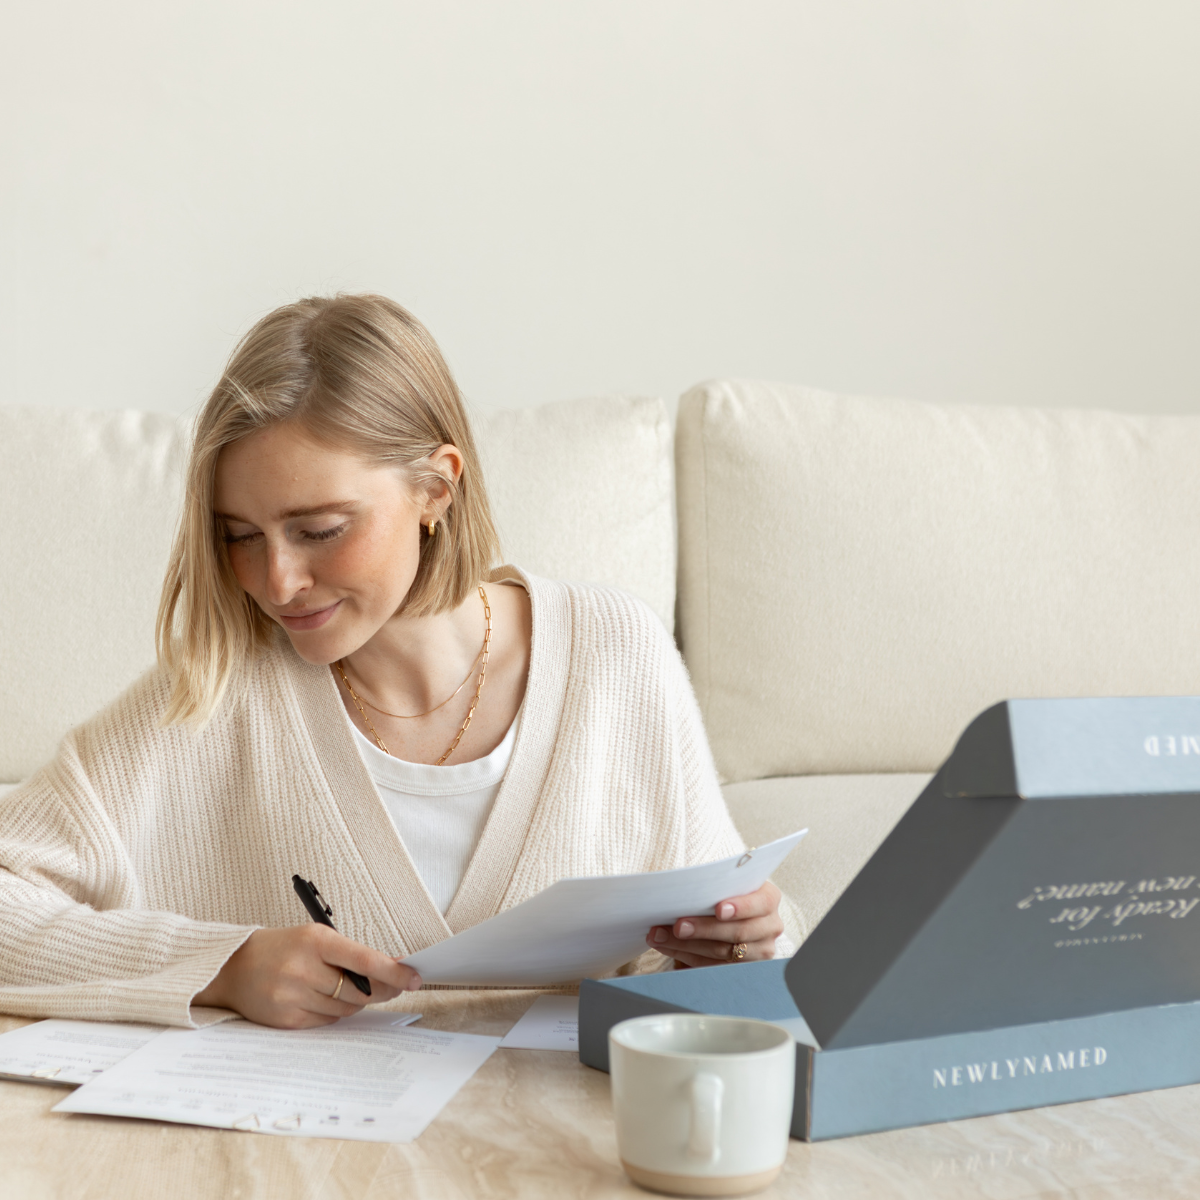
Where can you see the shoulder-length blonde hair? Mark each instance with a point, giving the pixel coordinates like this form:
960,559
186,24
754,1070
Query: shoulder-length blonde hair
355,371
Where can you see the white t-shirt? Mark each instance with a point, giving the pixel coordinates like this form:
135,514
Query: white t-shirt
439,812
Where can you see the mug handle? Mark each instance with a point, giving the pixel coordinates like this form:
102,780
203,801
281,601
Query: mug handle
705,1134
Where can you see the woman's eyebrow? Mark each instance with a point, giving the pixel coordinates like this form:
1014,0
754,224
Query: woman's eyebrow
291,514
317,510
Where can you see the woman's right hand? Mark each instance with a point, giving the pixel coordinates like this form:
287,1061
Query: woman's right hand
286,978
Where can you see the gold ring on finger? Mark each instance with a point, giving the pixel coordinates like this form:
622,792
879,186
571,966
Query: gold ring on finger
738,952
337,991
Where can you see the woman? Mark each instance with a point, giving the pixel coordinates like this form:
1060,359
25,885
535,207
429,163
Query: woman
332,635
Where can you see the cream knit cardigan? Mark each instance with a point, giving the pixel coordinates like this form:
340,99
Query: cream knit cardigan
140,858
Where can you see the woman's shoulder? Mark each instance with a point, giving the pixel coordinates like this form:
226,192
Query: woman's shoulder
113,742
142,703
137,715
116,755
588,610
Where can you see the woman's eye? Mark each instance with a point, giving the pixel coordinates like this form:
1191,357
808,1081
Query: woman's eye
240,539
325,535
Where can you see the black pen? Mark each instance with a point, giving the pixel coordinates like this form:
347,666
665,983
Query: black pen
321,912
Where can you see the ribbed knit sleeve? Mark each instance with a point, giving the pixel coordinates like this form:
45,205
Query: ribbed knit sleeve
75,937
712,833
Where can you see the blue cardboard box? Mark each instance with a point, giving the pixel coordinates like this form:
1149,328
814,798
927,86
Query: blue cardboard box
1028,934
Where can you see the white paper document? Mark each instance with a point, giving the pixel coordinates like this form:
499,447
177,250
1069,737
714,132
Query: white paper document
578,928
367,1078
550,1023
69,1051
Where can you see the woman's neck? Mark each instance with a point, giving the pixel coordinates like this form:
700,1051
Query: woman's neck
414,663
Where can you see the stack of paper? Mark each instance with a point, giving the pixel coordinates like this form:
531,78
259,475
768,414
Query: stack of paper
69,1051
550,1023
366,1078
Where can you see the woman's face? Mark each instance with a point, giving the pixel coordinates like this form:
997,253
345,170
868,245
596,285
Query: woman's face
325,543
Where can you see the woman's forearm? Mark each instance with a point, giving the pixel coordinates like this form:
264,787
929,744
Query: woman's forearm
59,958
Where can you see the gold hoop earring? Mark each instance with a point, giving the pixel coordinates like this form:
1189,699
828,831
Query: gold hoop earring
432,528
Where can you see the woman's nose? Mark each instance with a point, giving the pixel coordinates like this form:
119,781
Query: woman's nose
287,574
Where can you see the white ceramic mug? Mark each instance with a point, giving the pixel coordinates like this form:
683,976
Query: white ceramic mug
703,1104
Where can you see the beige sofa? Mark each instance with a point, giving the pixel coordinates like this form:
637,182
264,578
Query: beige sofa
850,579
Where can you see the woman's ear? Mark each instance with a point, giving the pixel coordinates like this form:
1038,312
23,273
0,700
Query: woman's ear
446,461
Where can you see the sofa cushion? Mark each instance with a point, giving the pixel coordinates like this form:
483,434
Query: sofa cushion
847,817
859,578
585,490
582,491
89,502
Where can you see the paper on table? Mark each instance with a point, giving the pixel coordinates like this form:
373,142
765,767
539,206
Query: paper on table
582,927
550,1023
365,1079
69,1051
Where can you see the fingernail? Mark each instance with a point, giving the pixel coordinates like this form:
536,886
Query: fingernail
660,934
686,929
725,912
414,984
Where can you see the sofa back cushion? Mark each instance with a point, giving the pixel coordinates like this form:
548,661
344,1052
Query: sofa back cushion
581,490
860,577
585,490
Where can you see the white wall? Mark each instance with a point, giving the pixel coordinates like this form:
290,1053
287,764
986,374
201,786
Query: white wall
948,199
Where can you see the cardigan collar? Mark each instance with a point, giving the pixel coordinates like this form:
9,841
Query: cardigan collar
389,867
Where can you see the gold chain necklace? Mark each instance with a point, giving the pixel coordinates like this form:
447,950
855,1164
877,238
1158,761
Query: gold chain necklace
409,716
484,654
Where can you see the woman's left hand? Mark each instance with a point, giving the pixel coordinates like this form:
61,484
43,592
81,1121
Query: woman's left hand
752,921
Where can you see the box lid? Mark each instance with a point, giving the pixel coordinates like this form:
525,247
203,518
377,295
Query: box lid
1048,871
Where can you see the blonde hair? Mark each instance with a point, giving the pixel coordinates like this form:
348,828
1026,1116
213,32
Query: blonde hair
355,371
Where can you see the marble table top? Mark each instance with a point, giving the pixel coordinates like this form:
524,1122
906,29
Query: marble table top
536,1123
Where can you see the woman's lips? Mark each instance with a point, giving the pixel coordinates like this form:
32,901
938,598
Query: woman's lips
311,620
